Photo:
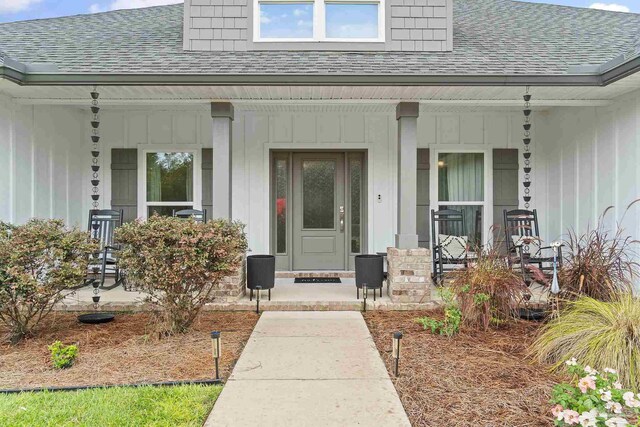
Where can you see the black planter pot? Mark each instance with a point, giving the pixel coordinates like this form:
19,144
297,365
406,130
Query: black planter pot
533,314
369,271
261,271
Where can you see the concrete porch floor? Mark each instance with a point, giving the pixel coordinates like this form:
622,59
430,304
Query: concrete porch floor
286,296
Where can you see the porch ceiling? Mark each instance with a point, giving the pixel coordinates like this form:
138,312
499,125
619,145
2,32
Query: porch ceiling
436,95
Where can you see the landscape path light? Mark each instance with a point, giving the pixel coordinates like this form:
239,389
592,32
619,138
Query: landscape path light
216,350
365,294
397,337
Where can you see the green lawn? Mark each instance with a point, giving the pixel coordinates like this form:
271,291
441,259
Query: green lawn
141,406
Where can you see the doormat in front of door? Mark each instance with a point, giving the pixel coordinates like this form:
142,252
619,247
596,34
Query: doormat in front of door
317,280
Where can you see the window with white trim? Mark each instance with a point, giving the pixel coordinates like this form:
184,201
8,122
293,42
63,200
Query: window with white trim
171,181
461,186
319,21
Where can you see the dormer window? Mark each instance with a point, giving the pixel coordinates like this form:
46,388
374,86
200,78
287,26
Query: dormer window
319,21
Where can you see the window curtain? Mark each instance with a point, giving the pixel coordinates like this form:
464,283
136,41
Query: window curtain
189,180
154,179
461,179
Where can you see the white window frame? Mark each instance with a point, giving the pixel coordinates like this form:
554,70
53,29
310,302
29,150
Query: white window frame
143,204
319,22
487,203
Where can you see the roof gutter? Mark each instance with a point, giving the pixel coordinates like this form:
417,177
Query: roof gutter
45,75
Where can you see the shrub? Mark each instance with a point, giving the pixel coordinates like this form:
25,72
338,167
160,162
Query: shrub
452,316
179,263
595,400
488,290
598,264
39,261
63,356
598,333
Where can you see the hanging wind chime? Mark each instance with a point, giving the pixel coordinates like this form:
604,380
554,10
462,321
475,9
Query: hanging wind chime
527,151
95,169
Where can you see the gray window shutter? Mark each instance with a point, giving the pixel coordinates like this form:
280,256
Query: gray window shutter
505,190
422,200
124,181
207,181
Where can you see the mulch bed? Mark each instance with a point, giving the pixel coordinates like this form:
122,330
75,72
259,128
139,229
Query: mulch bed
127,350
473,379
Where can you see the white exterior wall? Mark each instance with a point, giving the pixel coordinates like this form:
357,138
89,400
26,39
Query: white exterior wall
371,128
62,175
592,157
43,155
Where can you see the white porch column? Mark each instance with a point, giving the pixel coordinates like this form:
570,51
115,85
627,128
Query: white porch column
407,116
221,116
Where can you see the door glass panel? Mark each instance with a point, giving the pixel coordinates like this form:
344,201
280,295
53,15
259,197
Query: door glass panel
461,177
282,182
169,177
318,193
355,177
472,216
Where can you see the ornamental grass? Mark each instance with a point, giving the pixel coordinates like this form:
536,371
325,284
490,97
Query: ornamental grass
488,290
597,333
599,263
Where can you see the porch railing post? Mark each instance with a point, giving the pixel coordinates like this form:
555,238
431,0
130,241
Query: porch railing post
407,116
222,115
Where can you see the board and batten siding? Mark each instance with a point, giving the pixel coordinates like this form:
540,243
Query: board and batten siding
256,130
44,163
590,160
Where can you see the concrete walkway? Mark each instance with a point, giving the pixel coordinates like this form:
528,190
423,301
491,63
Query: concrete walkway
309,369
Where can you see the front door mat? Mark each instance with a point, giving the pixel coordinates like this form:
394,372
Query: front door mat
317,280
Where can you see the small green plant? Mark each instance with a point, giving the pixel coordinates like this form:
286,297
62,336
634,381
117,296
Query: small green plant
593,399
63,356
452,316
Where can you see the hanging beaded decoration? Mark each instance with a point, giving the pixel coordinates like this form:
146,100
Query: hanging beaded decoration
95,152
527,152
95,177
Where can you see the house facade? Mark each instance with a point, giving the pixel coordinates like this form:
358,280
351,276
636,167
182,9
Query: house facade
330,128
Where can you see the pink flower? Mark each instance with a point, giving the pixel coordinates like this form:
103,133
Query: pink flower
615,407
587,383
571,417
557,411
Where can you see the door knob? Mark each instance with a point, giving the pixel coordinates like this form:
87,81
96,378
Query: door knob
341,219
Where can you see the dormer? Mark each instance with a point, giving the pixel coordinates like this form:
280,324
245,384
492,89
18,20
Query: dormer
340,25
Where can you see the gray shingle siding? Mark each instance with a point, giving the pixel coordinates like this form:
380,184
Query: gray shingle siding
215,25
414,26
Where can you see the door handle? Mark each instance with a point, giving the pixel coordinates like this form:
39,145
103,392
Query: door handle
341,219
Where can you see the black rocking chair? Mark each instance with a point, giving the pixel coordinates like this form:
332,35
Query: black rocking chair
195,214
102,224
522,238
452,252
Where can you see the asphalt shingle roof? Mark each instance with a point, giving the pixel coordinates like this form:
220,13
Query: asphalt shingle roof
490,37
